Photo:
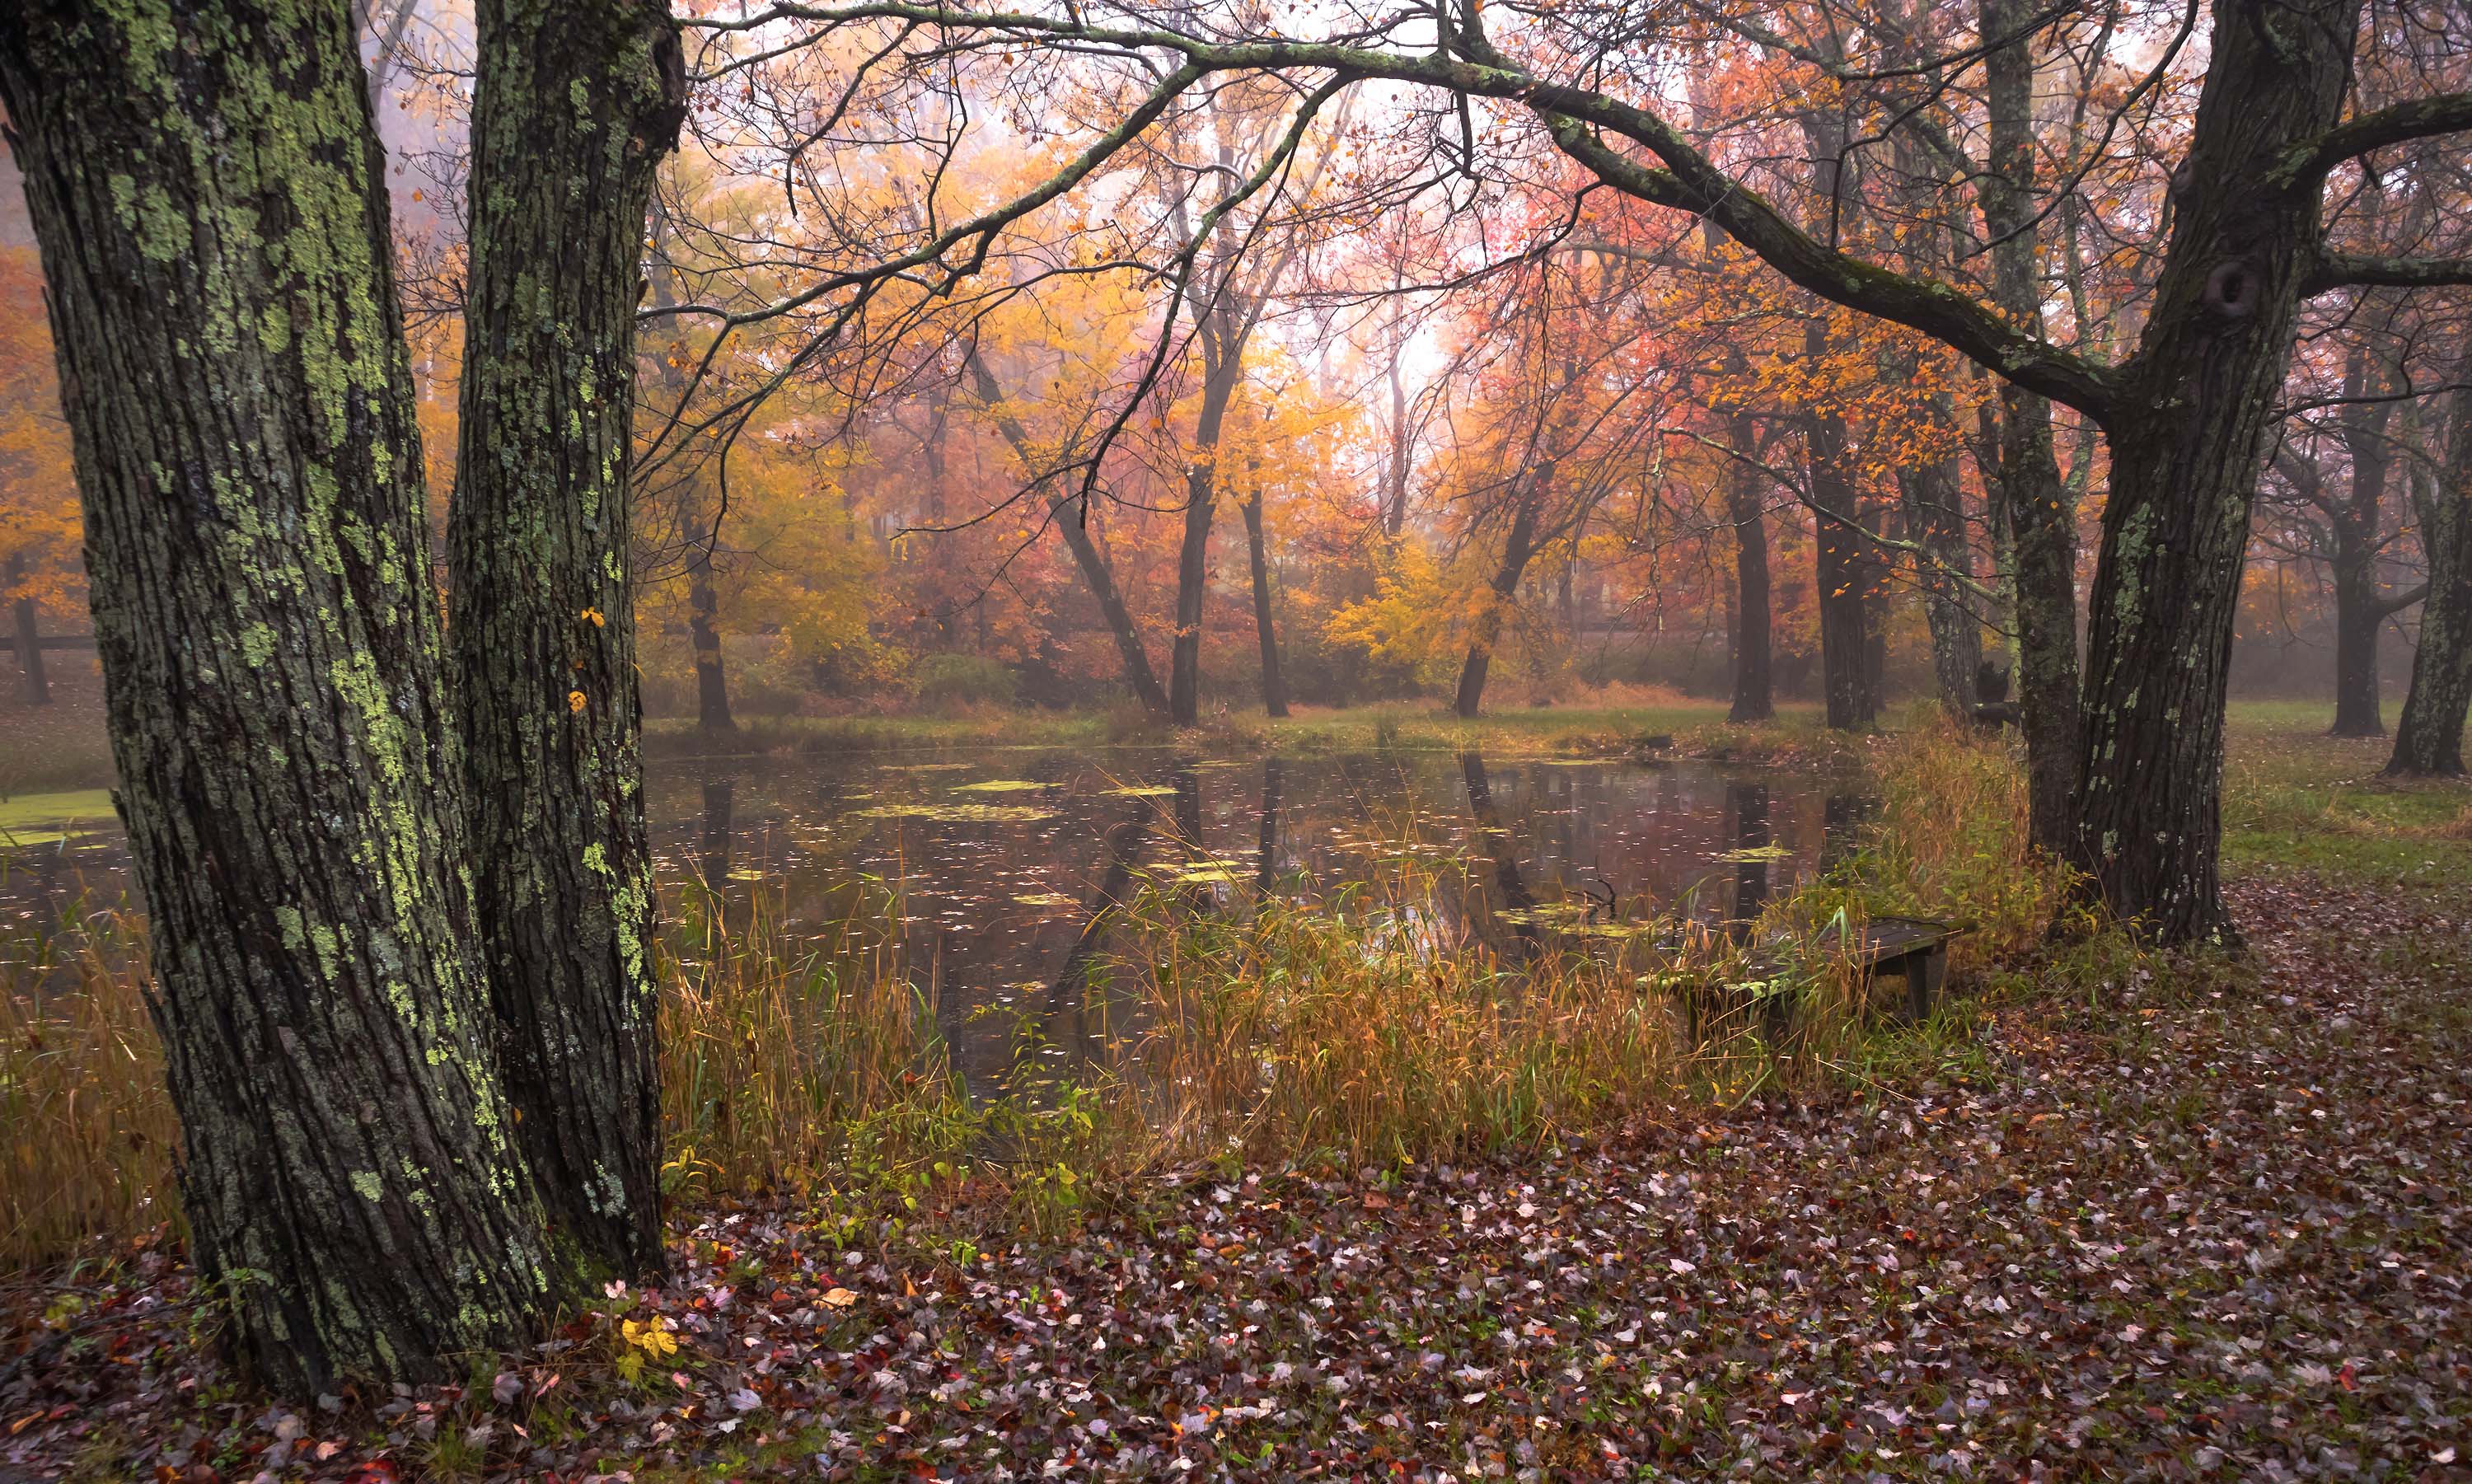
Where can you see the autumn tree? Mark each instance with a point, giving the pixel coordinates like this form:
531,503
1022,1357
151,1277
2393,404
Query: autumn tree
38,507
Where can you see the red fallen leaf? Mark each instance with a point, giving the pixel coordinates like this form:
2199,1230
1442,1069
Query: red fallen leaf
1375,1200
377,1471
2349,1377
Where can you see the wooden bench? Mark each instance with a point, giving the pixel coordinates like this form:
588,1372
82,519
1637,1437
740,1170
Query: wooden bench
1914,947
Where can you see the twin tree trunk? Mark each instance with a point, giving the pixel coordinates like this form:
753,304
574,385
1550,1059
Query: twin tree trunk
541,609
209,196
2188,439
2429,736
310,808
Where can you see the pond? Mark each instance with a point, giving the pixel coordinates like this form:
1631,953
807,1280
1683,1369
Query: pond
1000,859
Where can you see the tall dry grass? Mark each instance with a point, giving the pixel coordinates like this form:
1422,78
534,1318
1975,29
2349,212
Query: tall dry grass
783,1063
1263,1027
90,1131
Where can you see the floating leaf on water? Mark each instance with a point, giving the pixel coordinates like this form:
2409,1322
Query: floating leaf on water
1048,899
925,767
1543,912
1754,852
1612,929
956,813
998,786
22,814
1141,791
1203,875
746,873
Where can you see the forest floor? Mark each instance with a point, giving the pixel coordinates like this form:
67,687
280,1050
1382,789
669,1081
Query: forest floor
2108,1216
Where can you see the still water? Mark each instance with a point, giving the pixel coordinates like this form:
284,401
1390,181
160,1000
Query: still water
1001,858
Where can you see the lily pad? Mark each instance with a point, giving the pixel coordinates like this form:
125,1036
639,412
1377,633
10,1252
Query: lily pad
53,818
1048,899
1755,852
999,786
956,813
1141,791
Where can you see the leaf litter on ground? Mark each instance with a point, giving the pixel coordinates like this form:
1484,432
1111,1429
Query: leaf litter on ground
2212,1225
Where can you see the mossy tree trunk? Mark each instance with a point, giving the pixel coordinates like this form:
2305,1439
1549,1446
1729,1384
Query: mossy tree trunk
2188,440
208,193
2429,734
575,103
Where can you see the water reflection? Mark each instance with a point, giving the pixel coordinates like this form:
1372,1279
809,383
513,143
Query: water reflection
1011,866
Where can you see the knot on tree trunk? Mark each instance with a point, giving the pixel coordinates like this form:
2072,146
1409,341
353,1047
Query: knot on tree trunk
2232,289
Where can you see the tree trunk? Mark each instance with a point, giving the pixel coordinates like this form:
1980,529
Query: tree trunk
1504,585
1753,701
2037,519
543,627
2360,609
1086,554
1395,505
1193,554
34,688
2358,613
1843,573
2188,440
1274,690
209,195
1935,515
703,635
2429,734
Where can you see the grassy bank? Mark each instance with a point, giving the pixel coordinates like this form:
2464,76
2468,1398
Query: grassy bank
1613,729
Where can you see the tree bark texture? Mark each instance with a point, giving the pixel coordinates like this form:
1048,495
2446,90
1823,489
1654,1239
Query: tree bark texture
2429,734
208,193
574,104
2188,440
1274,689
2033,511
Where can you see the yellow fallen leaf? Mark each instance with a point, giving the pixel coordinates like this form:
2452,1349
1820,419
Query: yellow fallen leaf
840,1297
